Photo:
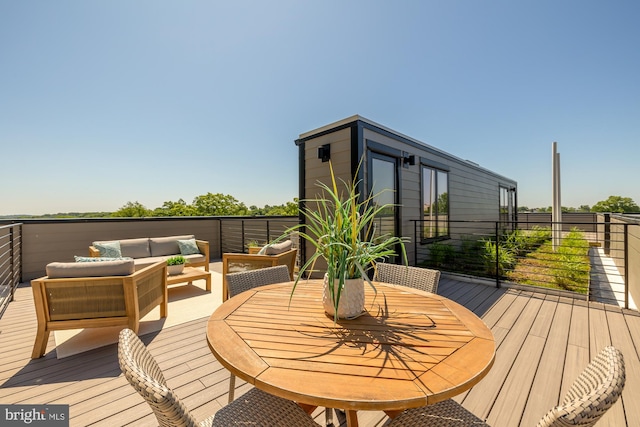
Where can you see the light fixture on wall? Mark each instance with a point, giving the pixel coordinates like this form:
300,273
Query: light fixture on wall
408,159
324,152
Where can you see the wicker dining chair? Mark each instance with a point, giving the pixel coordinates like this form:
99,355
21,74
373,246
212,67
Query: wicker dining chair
255,407
413,277
596,389
245,280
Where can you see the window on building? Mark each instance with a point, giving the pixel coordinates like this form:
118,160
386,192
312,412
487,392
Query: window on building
435,203
507,208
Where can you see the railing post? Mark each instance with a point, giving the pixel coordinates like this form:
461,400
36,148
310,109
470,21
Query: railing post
415,242
626,265
20,253
242,231
268,232
11,263
497,255
220,235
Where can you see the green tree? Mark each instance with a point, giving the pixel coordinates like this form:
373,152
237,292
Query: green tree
584,208
218,205
179,208
289,208
547,209
617,204
256,211
132,210
443,203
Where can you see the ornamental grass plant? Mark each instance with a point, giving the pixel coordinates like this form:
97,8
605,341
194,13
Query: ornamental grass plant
341,227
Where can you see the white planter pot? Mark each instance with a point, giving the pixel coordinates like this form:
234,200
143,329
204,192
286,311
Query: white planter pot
172,270
351,303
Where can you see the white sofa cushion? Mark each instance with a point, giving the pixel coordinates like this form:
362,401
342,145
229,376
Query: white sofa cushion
121,267
135,248
160,246
277,248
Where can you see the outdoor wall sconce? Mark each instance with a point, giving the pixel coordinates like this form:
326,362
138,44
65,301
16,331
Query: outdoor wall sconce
408,159
324,152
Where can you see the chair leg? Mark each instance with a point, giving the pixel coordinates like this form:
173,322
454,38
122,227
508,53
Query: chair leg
328,415
232,387
40,345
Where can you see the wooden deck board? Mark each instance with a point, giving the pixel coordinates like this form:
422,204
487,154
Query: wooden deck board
545,390
621,339
543,343
482,397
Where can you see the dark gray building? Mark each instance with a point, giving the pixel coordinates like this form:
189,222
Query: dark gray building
428,184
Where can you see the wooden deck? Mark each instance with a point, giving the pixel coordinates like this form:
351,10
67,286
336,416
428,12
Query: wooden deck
543,342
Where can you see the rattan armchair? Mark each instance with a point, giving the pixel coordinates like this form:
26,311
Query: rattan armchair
596,389
236,262
253,408
413,277
63,303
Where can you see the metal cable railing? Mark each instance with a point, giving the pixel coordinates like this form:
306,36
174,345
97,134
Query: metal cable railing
589,258
10,262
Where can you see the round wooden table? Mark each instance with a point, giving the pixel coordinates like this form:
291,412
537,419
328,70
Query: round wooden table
410,348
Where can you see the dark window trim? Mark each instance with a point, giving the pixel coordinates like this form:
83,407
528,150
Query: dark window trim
383,149
385,153
431,165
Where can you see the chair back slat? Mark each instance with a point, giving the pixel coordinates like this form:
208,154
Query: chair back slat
414,277
245,280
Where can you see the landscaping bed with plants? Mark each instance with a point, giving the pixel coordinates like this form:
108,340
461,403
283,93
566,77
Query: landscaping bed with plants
520,256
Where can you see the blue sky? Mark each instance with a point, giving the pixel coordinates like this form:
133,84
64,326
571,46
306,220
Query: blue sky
106,102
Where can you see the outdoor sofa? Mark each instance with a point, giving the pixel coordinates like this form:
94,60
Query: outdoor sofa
149,250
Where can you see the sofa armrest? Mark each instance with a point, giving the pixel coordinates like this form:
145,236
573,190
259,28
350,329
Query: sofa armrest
203,247
93,251
149,288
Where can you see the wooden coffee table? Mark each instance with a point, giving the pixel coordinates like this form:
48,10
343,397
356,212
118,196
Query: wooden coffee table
188,275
